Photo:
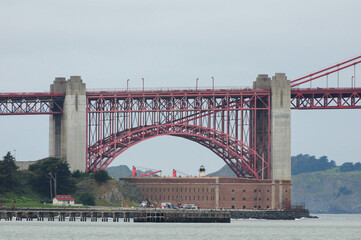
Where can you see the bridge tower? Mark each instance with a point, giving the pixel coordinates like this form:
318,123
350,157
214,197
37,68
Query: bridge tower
280,123
67,131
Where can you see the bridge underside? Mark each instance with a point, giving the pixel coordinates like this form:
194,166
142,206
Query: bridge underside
234,124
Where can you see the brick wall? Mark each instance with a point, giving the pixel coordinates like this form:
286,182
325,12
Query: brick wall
216,192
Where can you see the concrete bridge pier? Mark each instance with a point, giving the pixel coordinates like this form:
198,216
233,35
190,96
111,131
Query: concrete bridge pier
280,124
67,131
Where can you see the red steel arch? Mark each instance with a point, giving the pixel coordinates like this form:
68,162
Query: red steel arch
234,124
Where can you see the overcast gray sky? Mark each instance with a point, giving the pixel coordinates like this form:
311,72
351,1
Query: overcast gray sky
170,44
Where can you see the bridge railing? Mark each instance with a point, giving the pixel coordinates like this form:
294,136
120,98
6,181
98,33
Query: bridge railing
167,89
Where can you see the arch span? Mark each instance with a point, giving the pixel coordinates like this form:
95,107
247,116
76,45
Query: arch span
242,159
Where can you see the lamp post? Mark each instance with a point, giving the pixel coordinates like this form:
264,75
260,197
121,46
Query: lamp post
143,83
197,84
213,83
127,84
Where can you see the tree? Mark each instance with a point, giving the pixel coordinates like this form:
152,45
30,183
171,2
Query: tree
101,176
8,171
87,198
51,170
305,163
347,167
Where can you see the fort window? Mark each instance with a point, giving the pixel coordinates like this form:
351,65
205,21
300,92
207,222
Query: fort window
255,199
259,190
267,190
286,190
259,206
198,197
244,199
232,190
176,189
185,190
259,199
185,198
233,199
267,199
207,198
254,206
255,190
244,207
244,190
202,189
267,207
232,206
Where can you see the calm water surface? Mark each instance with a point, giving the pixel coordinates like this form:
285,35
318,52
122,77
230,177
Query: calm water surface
326,227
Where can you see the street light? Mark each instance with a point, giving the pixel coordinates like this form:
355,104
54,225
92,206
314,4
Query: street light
213,83
197,84
127,84
143,84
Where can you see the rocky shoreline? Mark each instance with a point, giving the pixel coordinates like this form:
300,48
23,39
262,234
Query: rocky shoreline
270,214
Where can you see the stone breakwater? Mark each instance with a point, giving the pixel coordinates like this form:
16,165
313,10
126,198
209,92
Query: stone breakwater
271,214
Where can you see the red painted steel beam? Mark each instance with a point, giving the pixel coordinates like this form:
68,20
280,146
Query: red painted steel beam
316,75
217,119
326,98
31,103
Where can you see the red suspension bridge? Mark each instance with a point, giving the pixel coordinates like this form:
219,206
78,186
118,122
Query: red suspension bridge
236,124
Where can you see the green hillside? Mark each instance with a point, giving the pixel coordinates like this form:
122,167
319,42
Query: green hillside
331,191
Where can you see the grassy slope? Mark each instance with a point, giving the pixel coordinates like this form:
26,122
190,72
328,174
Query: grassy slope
328,191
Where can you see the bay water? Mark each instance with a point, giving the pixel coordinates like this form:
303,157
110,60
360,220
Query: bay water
327,226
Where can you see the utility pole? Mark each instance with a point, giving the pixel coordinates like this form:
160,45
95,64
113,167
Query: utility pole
53,178
51,186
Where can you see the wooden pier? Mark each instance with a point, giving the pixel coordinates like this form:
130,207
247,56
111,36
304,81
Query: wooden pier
128,215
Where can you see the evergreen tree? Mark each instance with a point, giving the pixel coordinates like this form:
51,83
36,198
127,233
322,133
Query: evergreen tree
49,170
8,171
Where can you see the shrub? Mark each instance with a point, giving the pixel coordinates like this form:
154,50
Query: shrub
87,198
101,176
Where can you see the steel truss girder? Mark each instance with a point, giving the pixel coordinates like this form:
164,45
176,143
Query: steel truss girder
31,103
119,120
326,98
